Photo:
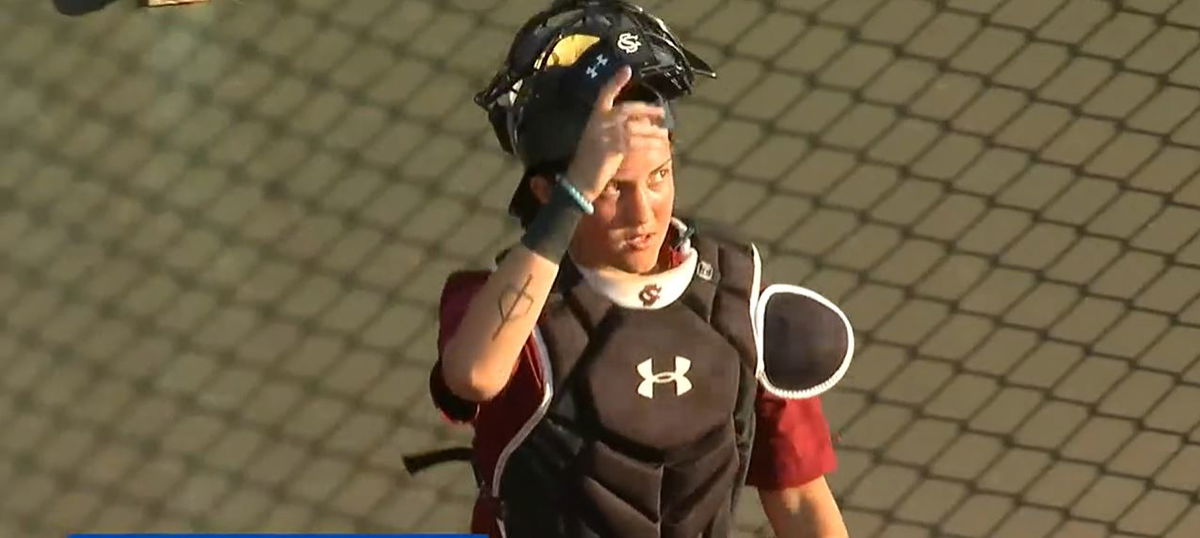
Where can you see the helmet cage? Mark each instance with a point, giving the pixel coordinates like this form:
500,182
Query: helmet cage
668,73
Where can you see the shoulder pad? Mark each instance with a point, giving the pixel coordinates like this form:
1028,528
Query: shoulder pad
805,342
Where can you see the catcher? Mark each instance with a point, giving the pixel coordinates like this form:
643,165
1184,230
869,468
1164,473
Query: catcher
626,371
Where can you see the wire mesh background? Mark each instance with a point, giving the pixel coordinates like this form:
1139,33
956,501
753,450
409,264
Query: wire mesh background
224,230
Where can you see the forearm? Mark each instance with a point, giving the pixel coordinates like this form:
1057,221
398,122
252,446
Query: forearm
479,359
808,511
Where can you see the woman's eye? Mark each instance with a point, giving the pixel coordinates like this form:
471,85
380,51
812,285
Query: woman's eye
610,190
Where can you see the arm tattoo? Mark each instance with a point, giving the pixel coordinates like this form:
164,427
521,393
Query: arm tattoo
513,303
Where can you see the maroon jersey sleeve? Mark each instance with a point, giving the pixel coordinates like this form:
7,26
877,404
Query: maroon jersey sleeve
792,443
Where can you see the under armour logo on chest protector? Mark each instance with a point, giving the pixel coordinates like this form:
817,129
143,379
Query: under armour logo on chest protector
651,378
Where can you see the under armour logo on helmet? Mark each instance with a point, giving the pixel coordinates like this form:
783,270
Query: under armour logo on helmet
649,294
601,60
629,42
651,378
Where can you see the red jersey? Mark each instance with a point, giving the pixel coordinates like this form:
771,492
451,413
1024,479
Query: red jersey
792,444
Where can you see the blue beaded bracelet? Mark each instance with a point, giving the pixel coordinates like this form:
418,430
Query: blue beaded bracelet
567,186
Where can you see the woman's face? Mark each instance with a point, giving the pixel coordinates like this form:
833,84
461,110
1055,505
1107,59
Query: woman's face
632,215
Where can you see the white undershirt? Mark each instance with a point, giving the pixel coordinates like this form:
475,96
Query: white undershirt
626,289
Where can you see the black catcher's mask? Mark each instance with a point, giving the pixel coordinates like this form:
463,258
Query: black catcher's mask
539,101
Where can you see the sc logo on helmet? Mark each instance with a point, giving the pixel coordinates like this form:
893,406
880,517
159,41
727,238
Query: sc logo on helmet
629,42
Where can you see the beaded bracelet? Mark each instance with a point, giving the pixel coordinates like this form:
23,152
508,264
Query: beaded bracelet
569,187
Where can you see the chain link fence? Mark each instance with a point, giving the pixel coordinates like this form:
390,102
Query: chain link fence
224,229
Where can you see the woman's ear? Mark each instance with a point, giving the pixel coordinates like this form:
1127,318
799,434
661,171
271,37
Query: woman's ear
541,188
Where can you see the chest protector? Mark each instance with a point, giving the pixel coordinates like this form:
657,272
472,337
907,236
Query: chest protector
649,418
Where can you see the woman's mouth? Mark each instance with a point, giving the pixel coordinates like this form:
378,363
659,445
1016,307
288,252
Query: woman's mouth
639,242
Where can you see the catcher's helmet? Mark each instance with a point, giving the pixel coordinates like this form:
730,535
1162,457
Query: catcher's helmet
542,96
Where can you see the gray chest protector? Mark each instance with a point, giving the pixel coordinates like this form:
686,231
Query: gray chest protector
648,422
